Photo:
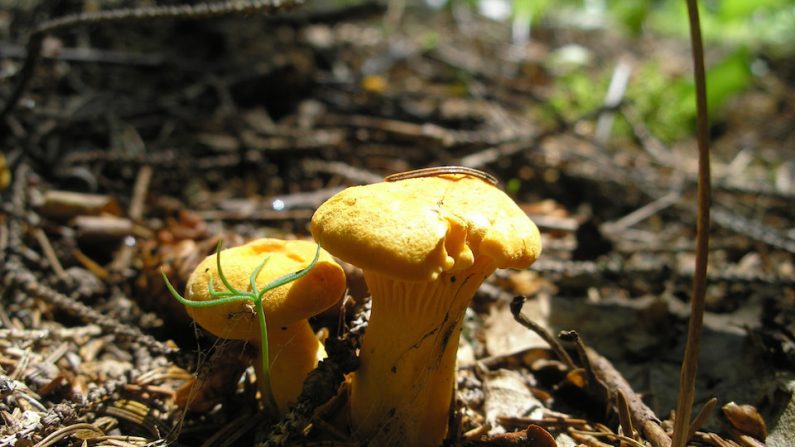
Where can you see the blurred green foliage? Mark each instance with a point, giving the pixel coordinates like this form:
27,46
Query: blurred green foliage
741,30
534,10
667,104
768,24
631,13
574,94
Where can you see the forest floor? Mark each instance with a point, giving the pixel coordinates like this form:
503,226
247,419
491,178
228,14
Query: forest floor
138,145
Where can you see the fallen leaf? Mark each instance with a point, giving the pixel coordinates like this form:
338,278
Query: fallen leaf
506,394
746,419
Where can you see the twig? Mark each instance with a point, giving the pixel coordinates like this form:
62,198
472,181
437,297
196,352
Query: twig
307,199
755,230
642,416
516,310
687,378
18,203
651,185
49,252
342,169
498,152
58,435
19,276
643,212
89,55
166,158
255,215
91,265
615,92
648,142
136,212
624,416
599,272
56,333
609,435
756,190
554,223
596,384
506,149
606,383
552,422
430,133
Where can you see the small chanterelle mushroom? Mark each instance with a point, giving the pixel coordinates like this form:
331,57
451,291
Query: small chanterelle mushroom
294,350
425,244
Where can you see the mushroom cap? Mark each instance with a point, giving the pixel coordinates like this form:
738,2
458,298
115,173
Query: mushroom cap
309,295
415,229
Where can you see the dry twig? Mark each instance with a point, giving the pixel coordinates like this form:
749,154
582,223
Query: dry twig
687,380
606,383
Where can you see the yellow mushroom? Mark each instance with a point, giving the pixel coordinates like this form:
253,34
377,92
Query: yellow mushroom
294,350
425,244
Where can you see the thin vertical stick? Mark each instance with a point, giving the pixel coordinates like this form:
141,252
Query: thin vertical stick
687,378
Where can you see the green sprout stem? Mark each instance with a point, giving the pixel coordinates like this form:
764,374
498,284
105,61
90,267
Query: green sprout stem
264,350
254,296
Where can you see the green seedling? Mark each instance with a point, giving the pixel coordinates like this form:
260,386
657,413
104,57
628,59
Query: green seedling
253,296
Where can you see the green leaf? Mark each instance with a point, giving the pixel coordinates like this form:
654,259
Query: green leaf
725,79
533,10
631,13
743,9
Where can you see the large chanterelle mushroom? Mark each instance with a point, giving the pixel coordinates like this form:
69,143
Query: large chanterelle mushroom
425,243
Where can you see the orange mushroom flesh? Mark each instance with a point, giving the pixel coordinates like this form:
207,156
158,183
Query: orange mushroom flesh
425,245
294,350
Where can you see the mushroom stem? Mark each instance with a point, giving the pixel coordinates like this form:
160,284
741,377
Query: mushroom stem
294,353
402,392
